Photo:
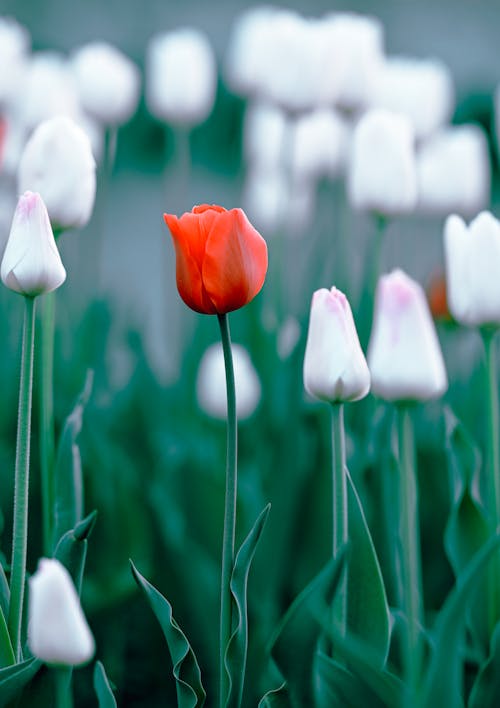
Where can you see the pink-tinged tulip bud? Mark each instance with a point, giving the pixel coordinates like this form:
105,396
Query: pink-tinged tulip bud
454,172
58,163
58,632
107,81
181,77
211,383
404,355
335,369
382,174
472,256
31,264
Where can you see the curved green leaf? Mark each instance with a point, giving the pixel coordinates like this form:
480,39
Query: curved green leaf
7,657
236,651
367,607
276,698
335,685
190,692
14,678
485,692
102,688
4,592
71,550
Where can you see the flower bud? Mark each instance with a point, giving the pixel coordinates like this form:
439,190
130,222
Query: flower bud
58,162
31,263
264,136
181,77
318,145
472,257
211,383
108,82
382,170
14,46
58,632
404,355
335,369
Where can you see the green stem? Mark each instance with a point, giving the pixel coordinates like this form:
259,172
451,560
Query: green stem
372,271
47,434
21,483
228,539
62,682
340,516
410,556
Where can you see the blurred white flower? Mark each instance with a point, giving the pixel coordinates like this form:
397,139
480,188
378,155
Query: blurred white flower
454,171
288,337
31,264
107,81
211,383
265,198
264,136
472,256
181,77
58,632
421,89
58,163
335,368
14,47
382,174
319,145
404,355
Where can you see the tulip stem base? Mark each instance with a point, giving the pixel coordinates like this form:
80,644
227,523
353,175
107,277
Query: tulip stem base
62,683
47,434
340,514
228,539
21,481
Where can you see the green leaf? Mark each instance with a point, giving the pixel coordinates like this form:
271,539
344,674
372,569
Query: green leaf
335,685
236,651
190,692
4,592
102,688
68,485
367,607
7,657
444,673
276,698
71,550
294,643
485,692
14,678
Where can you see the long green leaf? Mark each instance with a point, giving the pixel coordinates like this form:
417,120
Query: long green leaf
71,550
444,674
275,698
335,685
68,485
102,688
294,643
14,678
485,692
236,651
7,657
4,592
190,692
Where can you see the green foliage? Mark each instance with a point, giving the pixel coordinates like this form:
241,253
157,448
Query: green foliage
14,678
102,687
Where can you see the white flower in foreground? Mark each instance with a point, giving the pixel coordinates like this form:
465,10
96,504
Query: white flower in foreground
58,632
335,368
108,82
211,383
472,256
181,77
319,145
58,162
404,355
382,174
454,171
31,263
421,89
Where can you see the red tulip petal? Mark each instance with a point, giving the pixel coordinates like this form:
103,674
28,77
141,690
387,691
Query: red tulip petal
200,208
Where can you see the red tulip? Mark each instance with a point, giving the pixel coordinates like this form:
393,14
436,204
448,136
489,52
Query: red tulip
221,259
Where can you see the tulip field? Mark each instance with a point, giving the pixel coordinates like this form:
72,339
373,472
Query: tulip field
250,430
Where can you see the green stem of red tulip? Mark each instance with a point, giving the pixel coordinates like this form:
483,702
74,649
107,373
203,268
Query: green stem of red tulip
228,539
47,434
410,551
21,481
340,516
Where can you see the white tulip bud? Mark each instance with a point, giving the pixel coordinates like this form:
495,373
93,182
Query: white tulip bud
264,135
335,368
319,145
108,82
472,257
181,77
382,173
31,263
404,355
454,172
266,198
211,383
58,632
58,162
421,89
14,47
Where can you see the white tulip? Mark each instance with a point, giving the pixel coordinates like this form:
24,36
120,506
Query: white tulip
265,198
181,77
404,355
472,257
382,174
58,632
454,171
264,136
318,145
14,46
335,368
31,263
211,383
421,89
58,162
